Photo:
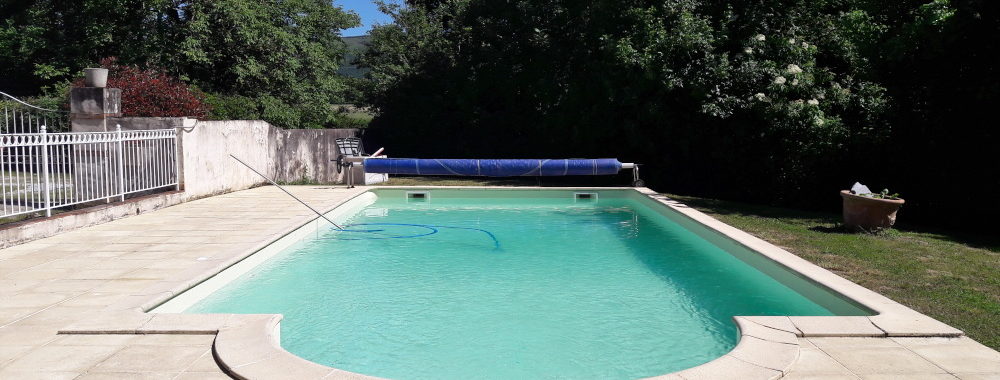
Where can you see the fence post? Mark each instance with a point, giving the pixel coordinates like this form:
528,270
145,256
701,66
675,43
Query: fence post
178,164
121,161
45,170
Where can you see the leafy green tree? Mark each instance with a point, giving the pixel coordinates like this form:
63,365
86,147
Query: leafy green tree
289,50
280,56
46,41
763,100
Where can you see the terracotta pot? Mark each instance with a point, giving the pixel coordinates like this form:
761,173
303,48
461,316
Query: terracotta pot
869,214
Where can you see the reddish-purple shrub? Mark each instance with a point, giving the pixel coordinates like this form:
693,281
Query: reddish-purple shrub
151,92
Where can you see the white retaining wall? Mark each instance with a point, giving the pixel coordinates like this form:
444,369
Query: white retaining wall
303,156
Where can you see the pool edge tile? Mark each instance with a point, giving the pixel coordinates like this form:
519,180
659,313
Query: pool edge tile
748,328
249,347
837,326
728,367
109,323
775,322
913,325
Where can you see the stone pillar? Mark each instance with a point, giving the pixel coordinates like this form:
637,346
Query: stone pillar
90,108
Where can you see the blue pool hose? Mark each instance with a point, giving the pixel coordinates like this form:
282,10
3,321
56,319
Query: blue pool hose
431,230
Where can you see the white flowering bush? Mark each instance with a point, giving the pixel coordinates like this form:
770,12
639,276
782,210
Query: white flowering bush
776,86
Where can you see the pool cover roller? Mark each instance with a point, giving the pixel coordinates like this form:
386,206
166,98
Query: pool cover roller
495,167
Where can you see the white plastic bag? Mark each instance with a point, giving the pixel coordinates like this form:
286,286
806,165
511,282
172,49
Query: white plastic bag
860,189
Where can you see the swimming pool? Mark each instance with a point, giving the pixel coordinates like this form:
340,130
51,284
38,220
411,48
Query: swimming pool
576,284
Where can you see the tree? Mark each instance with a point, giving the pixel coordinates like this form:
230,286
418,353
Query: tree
46,41
765,100
289,50
280,55
576,75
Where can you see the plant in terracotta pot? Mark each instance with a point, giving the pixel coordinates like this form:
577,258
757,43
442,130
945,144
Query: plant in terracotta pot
867,211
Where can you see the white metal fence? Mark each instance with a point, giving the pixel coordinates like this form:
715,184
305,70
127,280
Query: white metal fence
21,117
43,171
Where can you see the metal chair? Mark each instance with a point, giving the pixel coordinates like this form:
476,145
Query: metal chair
348,147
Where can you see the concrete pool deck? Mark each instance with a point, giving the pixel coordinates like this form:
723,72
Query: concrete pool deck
88,279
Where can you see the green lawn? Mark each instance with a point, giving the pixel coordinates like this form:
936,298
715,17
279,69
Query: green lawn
455,181
511,181
21,184
358,117
954,277
361,117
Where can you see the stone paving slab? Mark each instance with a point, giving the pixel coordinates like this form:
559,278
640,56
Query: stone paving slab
76,276
95,276
895,358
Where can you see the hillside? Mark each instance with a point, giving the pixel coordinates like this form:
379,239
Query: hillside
355,46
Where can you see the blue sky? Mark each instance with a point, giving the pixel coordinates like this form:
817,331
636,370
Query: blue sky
369,15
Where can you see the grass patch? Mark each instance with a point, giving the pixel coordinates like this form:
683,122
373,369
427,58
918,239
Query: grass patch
362,117
354,116
455,181
24,185
580,181
18,218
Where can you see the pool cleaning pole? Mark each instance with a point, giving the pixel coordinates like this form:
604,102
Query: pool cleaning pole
286,192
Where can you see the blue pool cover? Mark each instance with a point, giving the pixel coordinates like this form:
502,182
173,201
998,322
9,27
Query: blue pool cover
493,168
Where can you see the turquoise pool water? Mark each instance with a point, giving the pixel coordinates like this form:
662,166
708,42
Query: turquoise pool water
607,289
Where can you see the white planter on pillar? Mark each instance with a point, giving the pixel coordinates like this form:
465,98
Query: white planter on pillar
95,77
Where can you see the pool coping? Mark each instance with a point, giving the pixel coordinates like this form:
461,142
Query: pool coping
248,346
